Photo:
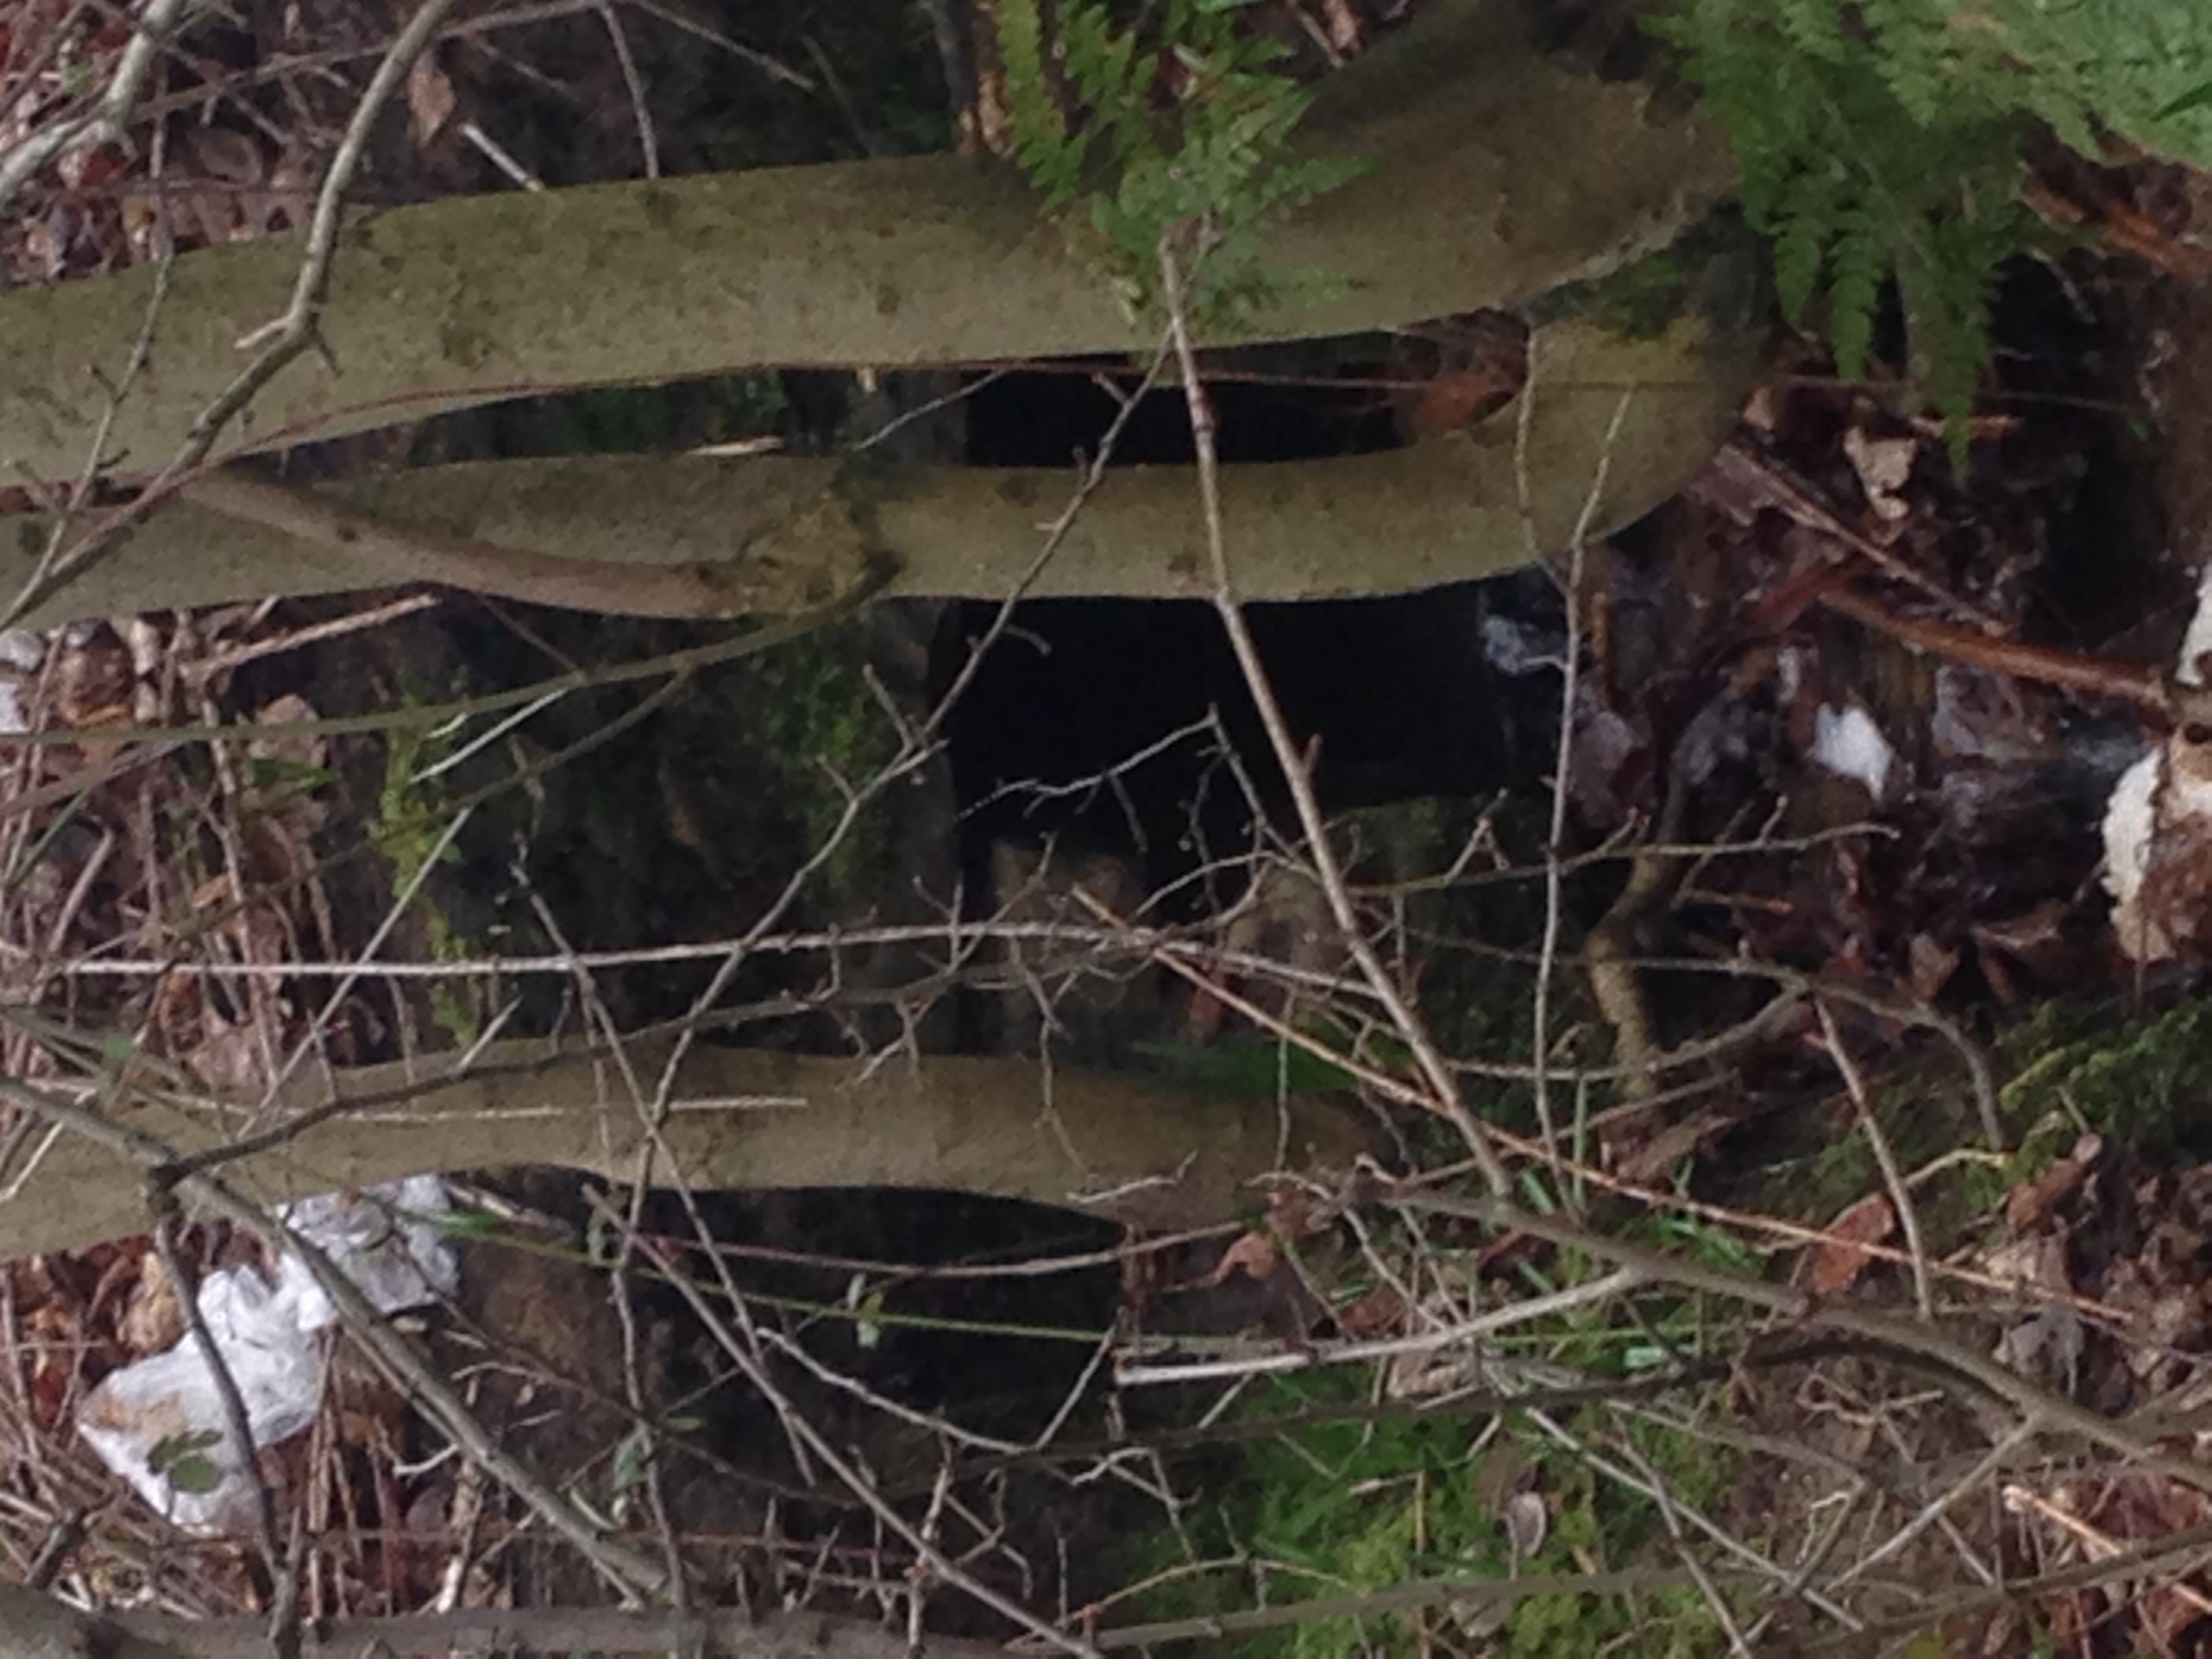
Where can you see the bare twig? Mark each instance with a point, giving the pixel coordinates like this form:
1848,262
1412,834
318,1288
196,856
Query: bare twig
733,1631
1562,763
747,1361
1444,1097
109,120
1900,1193
284,1618
1470,1330
1969,1362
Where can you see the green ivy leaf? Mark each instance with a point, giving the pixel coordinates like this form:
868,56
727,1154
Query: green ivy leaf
182,1459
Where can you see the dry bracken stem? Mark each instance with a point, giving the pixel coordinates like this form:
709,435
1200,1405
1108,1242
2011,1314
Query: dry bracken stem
1443,1085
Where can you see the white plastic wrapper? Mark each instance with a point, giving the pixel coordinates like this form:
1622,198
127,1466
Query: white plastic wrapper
159,1422
2165,799
1848,743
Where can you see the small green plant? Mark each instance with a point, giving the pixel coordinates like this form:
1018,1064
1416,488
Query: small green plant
1881,138
1363,1505
2142,1081
1179,123
409,819
182,1459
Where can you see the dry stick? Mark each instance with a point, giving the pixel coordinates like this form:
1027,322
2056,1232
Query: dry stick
664,665
1392,1088
1980,1074
619,1289
31,72
2040,1405
1563,764
408,1370
322,62
2098,1546
1664,1500
1468,1331
279,342
1444,1098
1646,1483
647,143
1934,1511
222,661
1459,1590
2154,692
1892,1174
2178,1553
1488,1399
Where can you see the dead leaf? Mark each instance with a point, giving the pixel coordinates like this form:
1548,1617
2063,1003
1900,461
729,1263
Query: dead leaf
1253,1254
1932,966
1843,1256
430,99
1652,1161
1883,464
154,1321
1381,1312
1528,1523
2026,1204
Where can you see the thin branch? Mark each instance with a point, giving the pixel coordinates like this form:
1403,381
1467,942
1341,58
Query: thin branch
1460,1332
1892,1175
109,121
853,1480
1969,1362
1444,1098
284,1619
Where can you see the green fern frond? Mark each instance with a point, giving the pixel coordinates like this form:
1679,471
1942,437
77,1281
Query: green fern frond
1210,161
1858,263
1042,145
1881,138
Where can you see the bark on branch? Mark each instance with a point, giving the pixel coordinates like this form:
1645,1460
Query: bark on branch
1496,174
36,1627
774,535
744,1118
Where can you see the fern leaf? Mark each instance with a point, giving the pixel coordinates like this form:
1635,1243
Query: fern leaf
1859,261
1042,145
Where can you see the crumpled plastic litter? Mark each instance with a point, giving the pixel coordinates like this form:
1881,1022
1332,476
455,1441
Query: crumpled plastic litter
159,1422
2158,825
